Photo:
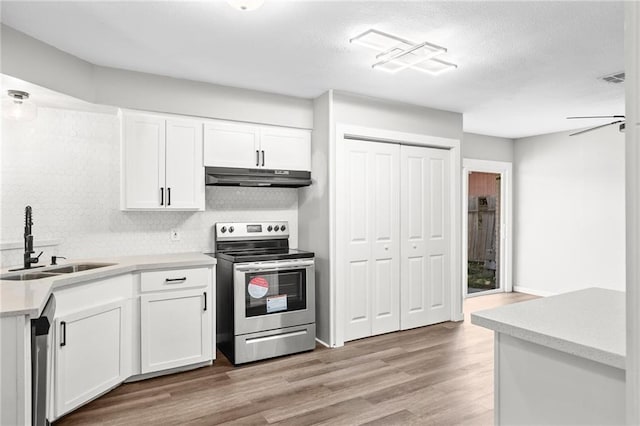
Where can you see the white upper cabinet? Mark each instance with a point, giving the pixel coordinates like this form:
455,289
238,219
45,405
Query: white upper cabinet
184,176
231,145
251,146
143,161
162,163
285,149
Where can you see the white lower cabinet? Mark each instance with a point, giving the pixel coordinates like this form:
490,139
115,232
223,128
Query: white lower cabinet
175,329
100,338
92,348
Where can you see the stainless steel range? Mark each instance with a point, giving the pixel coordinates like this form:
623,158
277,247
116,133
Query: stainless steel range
265,292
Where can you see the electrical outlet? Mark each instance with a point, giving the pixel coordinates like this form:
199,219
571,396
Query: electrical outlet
175,235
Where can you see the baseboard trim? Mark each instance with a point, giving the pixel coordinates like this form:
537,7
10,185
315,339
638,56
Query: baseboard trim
145,376
323,343
532,291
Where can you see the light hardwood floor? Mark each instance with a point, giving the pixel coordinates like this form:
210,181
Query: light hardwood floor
436,375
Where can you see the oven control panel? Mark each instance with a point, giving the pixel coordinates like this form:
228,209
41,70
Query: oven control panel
251,230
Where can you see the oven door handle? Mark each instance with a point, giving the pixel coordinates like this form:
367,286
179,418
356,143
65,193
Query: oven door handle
274,267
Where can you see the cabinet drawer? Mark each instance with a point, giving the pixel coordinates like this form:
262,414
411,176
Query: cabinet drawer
173,279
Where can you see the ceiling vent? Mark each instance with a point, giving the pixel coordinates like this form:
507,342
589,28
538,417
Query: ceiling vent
616,78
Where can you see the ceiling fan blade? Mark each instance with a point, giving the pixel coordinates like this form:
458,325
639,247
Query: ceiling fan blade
597,116
596,128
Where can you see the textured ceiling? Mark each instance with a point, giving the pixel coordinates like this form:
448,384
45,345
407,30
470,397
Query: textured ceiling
523,66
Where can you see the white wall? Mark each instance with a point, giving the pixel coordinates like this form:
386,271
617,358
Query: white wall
482,147
65,164
365,111
569,217
314,213
31,60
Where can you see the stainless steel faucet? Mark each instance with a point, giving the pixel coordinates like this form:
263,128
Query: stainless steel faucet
28,240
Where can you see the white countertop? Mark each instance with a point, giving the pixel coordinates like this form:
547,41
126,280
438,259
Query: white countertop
588,323
29,297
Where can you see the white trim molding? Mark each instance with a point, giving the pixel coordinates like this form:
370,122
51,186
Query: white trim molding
322,343
505,169
632,156
533,291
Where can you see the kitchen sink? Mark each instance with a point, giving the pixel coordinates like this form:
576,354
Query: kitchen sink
25,276
53,272
79,267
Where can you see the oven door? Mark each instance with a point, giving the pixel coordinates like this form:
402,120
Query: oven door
273,295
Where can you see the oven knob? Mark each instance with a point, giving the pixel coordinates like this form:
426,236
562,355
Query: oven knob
269,228
223,229
231,229
277,228
283,228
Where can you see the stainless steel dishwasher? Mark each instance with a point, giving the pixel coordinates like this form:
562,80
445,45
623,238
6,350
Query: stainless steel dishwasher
39,353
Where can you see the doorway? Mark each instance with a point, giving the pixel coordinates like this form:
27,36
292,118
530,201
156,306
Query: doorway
486,227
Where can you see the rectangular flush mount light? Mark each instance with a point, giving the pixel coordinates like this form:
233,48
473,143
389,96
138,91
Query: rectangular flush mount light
380,41
435,66
396,53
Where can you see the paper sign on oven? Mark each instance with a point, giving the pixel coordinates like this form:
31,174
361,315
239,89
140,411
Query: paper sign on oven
277,303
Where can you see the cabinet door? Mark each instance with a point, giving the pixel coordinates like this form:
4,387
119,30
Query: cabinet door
175,329
426,283
370,238
92,353
143,151
231,145
184,169
285,149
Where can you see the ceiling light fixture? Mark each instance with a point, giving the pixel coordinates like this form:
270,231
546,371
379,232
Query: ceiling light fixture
396,54
246,5
18,106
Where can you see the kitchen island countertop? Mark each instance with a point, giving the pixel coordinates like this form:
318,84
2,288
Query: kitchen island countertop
29,297
588,323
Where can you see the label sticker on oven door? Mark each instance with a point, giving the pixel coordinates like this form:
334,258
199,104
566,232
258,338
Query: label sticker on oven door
258,287
277,303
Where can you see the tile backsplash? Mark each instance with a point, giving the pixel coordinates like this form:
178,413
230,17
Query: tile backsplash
66,165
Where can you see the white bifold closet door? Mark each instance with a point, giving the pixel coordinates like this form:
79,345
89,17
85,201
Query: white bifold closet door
425,217
393,228
371,238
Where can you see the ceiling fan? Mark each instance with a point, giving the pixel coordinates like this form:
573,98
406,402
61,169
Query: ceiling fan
617,119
